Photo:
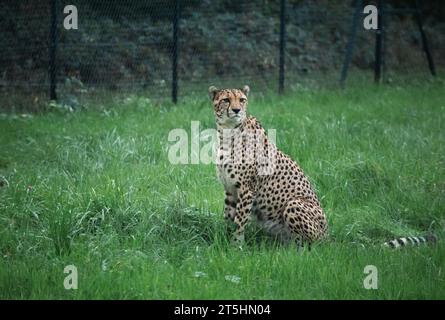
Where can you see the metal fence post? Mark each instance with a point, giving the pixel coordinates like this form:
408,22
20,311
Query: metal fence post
424,39
282,45
351,41
52,52
175,52
378,43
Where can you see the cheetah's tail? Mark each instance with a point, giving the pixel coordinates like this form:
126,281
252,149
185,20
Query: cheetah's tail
410,241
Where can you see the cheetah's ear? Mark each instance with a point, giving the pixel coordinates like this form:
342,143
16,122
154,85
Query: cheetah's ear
246,90
212,92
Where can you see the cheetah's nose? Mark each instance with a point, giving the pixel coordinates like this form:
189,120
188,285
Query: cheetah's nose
236,110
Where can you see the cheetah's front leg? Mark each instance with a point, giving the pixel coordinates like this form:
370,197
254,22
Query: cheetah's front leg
229,205
242,215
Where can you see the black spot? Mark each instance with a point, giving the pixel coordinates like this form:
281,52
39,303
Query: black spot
230,203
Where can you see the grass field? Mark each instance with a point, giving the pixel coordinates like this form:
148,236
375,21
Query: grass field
94,189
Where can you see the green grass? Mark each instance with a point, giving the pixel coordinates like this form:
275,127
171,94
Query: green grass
95,189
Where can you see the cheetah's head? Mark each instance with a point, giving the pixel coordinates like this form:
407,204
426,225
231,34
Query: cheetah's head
230,105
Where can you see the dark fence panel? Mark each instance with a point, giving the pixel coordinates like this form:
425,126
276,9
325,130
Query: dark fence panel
165,49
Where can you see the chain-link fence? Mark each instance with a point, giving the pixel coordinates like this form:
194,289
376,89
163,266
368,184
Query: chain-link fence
168,49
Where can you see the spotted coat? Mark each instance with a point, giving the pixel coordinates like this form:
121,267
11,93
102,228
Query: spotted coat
259,180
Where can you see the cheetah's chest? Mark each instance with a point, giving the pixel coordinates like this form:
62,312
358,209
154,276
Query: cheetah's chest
227,170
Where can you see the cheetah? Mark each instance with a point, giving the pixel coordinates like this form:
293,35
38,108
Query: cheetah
259,180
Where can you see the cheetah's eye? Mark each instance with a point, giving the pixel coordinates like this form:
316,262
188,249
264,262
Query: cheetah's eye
242,100
226,100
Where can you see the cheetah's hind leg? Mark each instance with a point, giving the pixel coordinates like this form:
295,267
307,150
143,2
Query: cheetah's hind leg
305,221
